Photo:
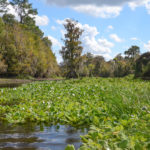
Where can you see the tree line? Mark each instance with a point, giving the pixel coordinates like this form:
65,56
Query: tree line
24,51
76,65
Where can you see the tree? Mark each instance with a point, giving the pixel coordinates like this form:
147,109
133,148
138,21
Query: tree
3,6
143,66
132,52
2,33
23,53
131,55
98,62
1,26
3,66
24,10
72,50
9,19
120,66
47,42
88,63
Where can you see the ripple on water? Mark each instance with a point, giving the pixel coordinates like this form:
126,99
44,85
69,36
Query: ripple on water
33,137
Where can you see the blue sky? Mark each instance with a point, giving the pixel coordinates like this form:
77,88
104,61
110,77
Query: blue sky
109,28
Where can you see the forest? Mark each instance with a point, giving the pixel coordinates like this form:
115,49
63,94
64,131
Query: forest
25,52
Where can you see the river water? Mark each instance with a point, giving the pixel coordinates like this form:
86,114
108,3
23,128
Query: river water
39,137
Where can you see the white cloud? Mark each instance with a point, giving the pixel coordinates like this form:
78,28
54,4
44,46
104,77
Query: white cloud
147,5
60,21
12,11
115,38
41,20
55,42
103,11
133,39
110,27
88,2
101,8
137,3
53,28
147,46
90,42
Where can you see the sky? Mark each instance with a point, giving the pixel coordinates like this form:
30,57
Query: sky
110,26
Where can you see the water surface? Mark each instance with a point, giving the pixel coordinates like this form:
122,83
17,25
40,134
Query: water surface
10,85
39,137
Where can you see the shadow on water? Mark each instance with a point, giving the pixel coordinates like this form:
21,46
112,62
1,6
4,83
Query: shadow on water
10,85
39,137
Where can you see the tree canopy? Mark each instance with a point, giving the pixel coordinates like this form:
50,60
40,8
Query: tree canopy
71,52
3,6
23,49
143,66
24,10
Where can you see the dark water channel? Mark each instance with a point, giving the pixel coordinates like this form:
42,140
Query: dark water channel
39,137
10,85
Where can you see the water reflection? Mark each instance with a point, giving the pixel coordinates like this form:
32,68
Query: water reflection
10,85
39,137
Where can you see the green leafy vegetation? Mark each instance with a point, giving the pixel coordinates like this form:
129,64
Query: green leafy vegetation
116,111
24,51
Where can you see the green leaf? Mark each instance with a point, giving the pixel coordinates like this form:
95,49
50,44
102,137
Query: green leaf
123,144
70,147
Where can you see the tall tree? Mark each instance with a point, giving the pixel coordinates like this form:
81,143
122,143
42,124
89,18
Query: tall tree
3,66
71,52
120,66
3,6
132,52
131,56
98,62
24,10
143,66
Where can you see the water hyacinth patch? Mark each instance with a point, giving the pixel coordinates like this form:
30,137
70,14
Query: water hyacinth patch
116,111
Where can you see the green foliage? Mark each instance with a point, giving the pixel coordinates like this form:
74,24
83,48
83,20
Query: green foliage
118,67
121,67
71,52
70,147
1,27
117,111
24,10
9,19
23,49
3,6
3,66
143,66
25,53
132,52
131,55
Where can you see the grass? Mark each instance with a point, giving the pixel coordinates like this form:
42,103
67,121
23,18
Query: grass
117,111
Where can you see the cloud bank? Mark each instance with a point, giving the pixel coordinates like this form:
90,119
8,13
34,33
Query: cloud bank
100,8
